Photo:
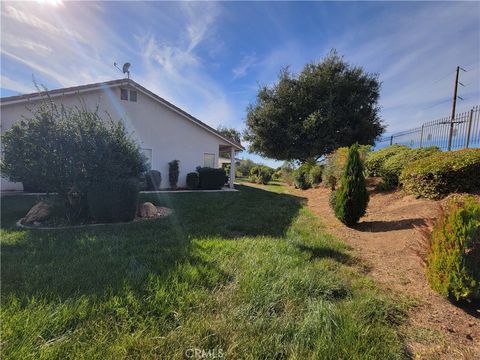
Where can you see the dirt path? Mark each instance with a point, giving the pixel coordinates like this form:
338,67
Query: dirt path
386,240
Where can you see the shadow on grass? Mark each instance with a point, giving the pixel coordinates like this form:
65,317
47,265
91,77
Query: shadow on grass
392,225
62,264
323,252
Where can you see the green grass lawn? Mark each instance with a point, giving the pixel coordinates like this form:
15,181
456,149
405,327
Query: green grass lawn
249,274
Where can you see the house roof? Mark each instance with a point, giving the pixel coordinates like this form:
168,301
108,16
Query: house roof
115,83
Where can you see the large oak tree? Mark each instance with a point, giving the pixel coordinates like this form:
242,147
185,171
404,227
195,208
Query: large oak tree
303,117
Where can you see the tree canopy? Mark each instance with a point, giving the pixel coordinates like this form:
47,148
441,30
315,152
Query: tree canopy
302,117
230,133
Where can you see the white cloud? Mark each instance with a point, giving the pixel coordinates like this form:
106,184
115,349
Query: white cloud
20,87
247,62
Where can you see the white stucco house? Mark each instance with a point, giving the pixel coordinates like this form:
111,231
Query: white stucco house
163,131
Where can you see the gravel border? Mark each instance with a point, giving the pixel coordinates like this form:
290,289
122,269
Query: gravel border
136,220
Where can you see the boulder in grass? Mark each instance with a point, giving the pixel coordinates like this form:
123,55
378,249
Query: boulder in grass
147,210
39,212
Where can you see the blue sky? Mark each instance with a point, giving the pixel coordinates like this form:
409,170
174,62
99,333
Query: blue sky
209,58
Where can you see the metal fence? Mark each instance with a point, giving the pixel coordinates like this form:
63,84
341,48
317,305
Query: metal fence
462,133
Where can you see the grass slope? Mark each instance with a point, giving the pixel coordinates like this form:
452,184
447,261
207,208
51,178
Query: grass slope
251,273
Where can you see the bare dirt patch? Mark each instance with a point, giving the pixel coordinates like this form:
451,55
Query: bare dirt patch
386,240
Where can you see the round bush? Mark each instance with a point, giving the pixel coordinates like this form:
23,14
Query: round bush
443,173
211,178
153,179
113,201
68,150
261,174
192,180
315,175
301,177
453,254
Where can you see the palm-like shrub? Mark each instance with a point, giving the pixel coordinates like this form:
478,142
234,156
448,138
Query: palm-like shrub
351,197
453,250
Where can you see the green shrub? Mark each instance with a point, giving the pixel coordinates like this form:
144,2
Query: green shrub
114,200
335,164
301,176
393,166
286,173
375,159
67,150
192,180
173,173
261,174
315,175
332,199
443,173
351,198
453,250
153,179
210,178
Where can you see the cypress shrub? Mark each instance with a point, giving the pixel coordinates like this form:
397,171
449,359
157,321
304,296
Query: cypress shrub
211,178
114,200
335,164
153,179
443,173
352,196
453,250
192,180
173,171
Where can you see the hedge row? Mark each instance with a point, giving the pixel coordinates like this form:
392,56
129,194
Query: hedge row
392,167
376,159
443,173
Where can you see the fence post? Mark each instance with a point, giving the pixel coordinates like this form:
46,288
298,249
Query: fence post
421,136
391,140
470,118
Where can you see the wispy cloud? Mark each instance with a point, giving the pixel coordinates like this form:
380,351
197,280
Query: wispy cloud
247,62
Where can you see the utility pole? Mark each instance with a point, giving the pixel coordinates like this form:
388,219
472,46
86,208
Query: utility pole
452,120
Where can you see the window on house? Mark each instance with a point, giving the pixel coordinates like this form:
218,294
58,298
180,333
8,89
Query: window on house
123,94
209,160
133,95
148,155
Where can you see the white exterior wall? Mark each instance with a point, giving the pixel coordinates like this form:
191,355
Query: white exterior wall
170,135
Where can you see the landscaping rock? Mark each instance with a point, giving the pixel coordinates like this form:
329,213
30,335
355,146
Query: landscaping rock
39,212
147,209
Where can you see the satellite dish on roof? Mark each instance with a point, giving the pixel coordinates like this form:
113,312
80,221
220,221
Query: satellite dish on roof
125,69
